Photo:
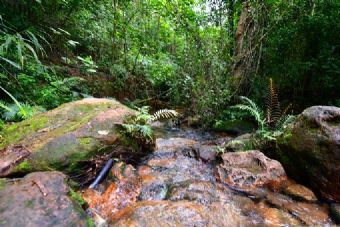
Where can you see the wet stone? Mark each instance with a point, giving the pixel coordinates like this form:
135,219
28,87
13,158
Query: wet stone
300,192
40,199
249,170
119,194
179,214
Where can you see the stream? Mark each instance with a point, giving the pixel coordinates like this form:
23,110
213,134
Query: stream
179,185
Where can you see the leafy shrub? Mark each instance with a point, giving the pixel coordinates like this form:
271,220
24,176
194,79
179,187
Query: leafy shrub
17,111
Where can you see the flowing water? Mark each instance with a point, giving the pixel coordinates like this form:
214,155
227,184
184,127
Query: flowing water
176,187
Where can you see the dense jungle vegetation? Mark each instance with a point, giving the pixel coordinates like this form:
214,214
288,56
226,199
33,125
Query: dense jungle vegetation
194,55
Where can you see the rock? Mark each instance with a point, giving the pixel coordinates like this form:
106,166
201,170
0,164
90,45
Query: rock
300,192
249,170
179,214
308,213
202,192
63,138
310,150
240,143
207,153
119,194
334,210
41,199
270,217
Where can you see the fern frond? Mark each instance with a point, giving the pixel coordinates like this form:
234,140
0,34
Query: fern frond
145,131
164,114
273,110
284,112
283,121
254,110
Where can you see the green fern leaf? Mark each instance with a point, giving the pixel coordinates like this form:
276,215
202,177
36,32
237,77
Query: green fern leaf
164,114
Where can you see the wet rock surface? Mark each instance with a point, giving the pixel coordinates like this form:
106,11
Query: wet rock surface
300,192
310,150
175,187
249,170
40,199
118,195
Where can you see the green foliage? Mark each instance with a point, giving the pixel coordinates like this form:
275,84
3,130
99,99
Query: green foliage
302,52
267,129
88,65
179,53
255,111
18,47
2,126
17,111
138,126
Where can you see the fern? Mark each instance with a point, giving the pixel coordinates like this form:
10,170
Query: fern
163,114
272,121
283,121
254,110
273,110
138,125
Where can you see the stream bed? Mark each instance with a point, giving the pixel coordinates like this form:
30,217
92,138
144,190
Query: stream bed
180,185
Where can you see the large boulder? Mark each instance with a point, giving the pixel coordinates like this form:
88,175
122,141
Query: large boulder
41,199
63,138
310,150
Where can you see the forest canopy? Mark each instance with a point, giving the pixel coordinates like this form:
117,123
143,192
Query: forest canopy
198,55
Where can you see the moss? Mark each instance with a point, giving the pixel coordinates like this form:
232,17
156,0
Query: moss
3,183
80,205
15,132
29,203
76,197
75,115
85,141
23,167
286,136
90,222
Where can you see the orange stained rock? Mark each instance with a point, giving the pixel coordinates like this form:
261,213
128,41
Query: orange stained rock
162,162
118,195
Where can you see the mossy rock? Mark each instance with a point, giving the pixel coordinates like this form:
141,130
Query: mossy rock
41,199
62,138
310,150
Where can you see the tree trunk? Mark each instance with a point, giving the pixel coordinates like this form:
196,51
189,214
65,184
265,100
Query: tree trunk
238,70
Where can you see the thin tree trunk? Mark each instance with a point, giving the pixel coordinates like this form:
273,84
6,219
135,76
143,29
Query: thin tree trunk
237,71
114,31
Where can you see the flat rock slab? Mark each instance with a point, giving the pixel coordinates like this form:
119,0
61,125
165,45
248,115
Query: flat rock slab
40,199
